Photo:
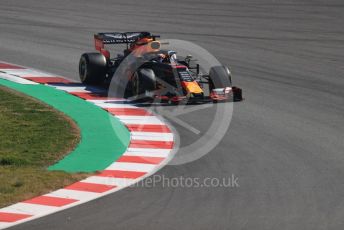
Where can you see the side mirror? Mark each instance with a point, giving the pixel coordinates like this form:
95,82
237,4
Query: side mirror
188,57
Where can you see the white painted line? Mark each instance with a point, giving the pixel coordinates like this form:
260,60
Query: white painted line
146,154
135,167
70,88
108,101
16,79
150,136
140,120
29,209
73,194
112,104
28,73
5,225
77,89
148,150
119,182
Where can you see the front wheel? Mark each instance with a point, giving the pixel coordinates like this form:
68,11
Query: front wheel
135,85
142,82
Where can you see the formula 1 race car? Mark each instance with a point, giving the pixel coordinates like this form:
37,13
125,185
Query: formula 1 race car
162,75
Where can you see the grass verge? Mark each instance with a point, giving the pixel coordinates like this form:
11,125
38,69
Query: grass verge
33,136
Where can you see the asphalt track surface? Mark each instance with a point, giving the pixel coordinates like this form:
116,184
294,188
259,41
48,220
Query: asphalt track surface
285,142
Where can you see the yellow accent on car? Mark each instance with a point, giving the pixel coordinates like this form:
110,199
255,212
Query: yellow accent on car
192,87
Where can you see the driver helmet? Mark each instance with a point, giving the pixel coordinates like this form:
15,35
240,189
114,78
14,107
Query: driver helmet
162,57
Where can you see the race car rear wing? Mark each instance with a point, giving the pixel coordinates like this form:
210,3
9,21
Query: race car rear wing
101,39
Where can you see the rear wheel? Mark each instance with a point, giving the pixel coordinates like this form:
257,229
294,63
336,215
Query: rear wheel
92,68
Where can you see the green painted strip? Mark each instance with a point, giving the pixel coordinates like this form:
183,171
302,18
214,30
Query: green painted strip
103,137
